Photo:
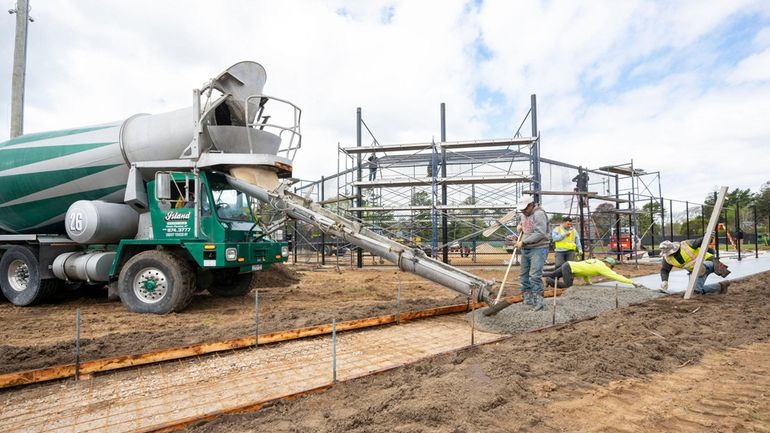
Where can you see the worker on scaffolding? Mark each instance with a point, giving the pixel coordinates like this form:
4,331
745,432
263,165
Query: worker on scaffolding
373,166
682,255
585,269
581,185
533,244
566,242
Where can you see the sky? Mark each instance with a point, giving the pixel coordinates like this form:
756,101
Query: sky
682,87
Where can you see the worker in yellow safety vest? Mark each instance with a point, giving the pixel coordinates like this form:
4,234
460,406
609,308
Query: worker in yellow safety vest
682,255
586,269
566,242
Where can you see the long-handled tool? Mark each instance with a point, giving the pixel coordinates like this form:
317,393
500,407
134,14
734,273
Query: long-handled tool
499,304
507,270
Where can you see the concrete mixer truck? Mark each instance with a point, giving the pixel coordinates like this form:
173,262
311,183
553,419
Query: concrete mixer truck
143,206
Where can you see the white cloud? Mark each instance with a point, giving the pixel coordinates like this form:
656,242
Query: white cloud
752,68
93,61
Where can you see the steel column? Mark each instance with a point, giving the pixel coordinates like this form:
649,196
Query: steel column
537,185
738,231
323,235
444,225
582,229
359,197
652,227
671,219
617,216
716,230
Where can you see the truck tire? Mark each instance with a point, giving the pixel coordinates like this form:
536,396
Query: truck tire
156,282
20,278
229,283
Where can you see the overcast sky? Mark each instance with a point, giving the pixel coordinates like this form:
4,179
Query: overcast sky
679,86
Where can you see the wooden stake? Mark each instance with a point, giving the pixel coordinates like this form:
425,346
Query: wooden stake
706,238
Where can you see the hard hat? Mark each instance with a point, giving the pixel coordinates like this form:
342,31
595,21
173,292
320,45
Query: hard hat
667,248
611,261
526,201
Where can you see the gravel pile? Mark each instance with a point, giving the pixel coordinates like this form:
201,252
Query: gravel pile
577,302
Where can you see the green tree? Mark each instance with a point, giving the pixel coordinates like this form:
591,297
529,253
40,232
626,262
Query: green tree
423,224
762,201
556,218
644,220
603,218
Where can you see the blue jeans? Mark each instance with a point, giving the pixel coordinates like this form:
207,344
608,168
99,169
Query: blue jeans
700,283
532,261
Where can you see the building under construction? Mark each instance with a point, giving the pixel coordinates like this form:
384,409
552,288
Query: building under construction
440,195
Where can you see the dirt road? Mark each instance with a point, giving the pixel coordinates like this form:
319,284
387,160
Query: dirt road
40,336
666,365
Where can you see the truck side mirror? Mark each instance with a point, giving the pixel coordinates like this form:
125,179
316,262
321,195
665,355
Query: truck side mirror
162,186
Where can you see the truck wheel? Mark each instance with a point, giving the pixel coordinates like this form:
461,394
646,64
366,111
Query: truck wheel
20,278
229,283
156,282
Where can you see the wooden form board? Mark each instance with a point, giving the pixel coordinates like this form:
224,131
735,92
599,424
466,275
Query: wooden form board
706,238
127,361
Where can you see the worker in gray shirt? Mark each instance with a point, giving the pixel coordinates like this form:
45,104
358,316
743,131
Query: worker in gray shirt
533,244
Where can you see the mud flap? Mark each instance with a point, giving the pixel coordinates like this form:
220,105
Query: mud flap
112,291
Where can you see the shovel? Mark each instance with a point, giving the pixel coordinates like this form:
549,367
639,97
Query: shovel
501,305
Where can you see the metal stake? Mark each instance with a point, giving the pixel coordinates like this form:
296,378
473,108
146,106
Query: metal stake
473,316
616,296
334,351
553,315
77,344
398,302
256,318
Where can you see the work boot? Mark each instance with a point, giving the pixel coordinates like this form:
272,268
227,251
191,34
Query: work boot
723,286
537,302
527,298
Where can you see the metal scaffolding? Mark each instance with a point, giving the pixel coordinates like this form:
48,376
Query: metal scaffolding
440,195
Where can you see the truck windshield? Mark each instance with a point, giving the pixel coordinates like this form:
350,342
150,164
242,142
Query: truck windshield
231,204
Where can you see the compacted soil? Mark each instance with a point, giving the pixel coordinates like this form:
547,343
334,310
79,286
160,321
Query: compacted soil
701,365
289,297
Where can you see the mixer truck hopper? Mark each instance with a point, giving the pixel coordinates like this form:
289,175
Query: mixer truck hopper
139,205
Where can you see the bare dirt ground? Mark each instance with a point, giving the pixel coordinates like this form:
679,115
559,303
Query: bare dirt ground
41,336
700,365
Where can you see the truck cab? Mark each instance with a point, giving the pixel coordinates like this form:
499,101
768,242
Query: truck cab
200,234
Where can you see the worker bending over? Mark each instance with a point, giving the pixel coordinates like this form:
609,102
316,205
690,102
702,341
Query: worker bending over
566,242
586,269
682,255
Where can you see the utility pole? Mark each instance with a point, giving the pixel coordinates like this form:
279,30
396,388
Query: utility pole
19,67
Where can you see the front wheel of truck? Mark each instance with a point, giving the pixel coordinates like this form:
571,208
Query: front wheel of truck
156,282
229,283
20,278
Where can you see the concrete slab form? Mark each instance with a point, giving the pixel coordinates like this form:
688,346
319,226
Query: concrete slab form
155,397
